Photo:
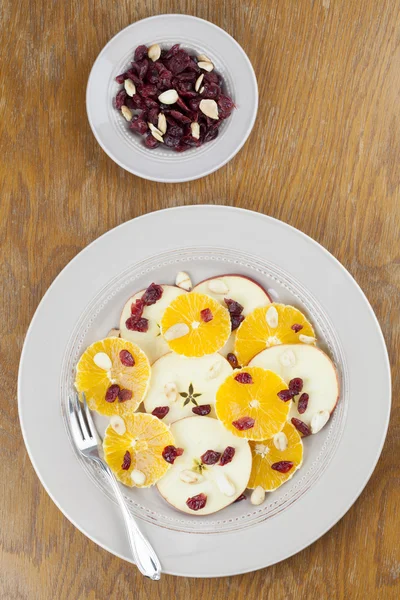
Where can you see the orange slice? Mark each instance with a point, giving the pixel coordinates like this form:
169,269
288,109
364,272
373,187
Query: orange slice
268,456
270,326
252,410
104,371
135,456
195,325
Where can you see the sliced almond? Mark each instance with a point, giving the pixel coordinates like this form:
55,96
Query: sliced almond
201,90
154,52
280,441
271,316
155,133
198,82
217,286
118,424
130,87
188,476
171,391
206,66
162,123
225,485
138,477
287,358
113,333
168,97
257,496
306,339
183,281
195,129
103,361
126,112
203,58
176,331
209,108
319,420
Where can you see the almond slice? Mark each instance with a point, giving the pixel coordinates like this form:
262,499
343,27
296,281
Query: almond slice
162,123
103,361
188,476
306,339
138,477
130,87
126,112
218,286
258,496
176,331
206,66
225,485
319,420
154,52
203,58
271,316
198,82
168,97
195,129
209,108
183,280
155,133
280,441
201,90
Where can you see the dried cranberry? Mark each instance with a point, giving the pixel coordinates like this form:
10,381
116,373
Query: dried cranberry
244,378
244,423
297,327
137,309
234,307
141,68
235,319
149,103
180,117
211,91
170,453
178,62
233,361
286,395
283,466
175,131
240,498
153,116
191,76
296,385
182,105
202,410
127,461
151,142
120,98
139,125
134,324
225,106
197,502
170,141
126,358
135,102
153,76
212,77
227,456
147,90
171,52
301,426
160,411
210,457
194,104
206,315
112,393
131,74
302,403
140,53
152,294
124,395
120,78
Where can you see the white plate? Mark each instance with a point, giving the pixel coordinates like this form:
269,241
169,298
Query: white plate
84,302
163,164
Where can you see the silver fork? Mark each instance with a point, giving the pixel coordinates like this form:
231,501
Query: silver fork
87,442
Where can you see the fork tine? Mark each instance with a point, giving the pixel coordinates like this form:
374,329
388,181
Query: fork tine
89,420
75,427
81,420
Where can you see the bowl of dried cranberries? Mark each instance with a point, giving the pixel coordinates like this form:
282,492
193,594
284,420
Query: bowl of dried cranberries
172,98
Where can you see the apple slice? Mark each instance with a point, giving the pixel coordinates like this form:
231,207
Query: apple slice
239,288
319,376
192,474
150,341
185,385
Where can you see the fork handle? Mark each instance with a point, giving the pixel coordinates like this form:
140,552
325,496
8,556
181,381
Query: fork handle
145,557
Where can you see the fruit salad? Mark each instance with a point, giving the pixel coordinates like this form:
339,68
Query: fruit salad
210,391
172,97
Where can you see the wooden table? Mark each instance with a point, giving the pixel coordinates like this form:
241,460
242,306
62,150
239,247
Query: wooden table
324,156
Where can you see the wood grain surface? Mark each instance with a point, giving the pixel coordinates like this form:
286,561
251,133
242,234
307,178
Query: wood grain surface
324,156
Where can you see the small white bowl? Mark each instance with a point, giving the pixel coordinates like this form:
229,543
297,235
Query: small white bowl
126,147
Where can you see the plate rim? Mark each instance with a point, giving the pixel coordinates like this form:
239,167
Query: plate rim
385,357
211,170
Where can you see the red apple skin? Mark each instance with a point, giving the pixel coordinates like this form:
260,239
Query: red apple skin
182,512
235,275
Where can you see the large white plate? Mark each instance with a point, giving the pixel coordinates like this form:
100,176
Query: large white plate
84,302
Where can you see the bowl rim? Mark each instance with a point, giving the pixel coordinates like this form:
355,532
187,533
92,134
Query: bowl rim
219,164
